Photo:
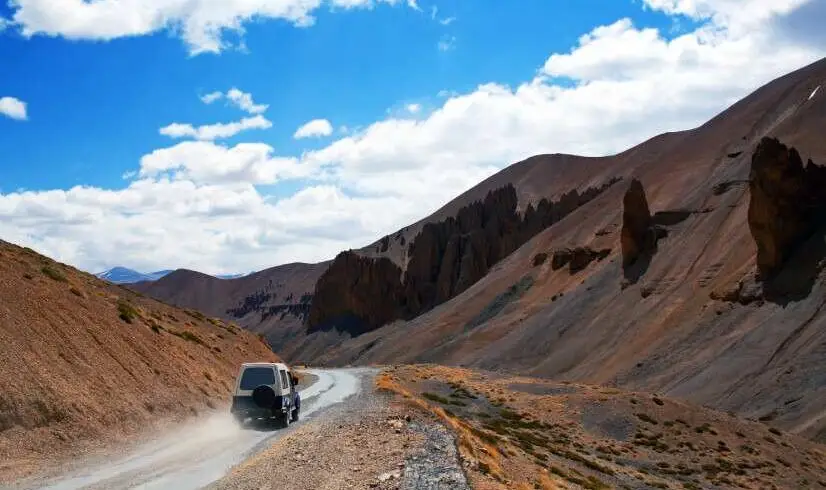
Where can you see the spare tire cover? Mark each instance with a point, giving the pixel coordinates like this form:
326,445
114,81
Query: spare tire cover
264,396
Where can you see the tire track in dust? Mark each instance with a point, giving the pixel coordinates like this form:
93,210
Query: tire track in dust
197,455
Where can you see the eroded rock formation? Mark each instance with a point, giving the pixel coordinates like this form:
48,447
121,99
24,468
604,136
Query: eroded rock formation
639,233
787,202
445,259
357,293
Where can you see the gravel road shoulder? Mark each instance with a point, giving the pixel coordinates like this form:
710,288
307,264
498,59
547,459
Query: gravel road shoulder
369,442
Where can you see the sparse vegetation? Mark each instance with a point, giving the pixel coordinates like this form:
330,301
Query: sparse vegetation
195,314
76,291
53,273
126,311
189,336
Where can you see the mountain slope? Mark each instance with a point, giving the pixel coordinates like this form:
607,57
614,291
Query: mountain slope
84,362
273,302
670,323
685,319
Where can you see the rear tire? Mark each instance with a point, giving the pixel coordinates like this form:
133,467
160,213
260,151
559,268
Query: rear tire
295,414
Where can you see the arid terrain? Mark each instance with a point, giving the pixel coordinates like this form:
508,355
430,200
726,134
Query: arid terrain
559,267
86,365
523,433
651,319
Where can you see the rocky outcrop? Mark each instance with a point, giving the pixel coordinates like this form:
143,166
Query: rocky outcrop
787,203
639,233
577,258
445,259
357,294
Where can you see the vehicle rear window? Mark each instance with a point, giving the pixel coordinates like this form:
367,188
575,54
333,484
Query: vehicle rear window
257,376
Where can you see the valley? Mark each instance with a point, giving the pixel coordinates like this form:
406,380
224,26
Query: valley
650,319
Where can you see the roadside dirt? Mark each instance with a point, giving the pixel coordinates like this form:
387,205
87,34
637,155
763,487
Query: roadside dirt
372,441
525,433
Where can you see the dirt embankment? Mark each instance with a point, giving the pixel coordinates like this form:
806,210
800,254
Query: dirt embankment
85,365
528,433
373,440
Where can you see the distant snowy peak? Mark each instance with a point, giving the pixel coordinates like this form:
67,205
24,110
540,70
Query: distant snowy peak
123,275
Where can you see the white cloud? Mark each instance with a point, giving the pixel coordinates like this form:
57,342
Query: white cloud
215,131
447,21
314,128
207,206
238,98
207,162
211,97
13,108
201,23
244,101
413,108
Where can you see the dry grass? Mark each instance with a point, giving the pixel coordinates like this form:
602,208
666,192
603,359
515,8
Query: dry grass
539,434
471,447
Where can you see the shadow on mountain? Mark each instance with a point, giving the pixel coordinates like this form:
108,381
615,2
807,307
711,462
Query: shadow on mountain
633,272
797,278
345,323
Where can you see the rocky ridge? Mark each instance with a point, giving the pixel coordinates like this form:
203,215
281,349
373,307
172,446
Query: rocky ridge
358,294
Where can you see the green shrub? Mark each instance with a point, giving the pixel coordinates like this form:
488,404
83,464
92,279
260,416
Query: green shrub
53,274
126,311
436,398
187,335
196,314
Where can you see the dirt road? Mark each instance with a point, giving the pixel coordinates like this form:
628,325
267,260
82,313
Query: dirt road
199,454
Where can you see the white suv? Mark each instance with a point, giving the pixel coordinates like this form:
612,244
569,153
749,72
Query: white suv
265,390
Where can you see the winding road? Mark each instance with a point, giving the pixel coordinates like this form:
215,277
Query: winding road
197,455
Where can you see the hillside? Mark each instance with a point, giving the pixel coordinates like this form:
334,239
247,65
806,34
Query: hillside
85,364
273,302
691,318
522,273
521,432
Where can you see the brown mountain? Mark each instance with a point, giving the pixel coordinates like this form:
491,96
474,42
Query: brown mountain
85,363
687,314
651,285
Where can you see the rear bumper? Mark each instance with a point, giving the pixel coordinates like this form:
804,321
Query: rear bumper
244,407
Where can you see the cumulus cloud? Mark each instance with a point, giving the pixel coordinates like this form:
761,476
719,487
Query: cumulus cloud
314,128
215,131
201,23
211,97
208,206
238,98
208,162
13,108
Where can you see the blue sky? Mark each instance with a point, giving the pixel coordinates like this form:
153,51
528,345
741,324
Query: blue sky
425,99
95,107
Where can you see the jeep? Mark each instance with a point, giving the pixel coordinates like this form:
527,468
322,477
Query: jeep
266,391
